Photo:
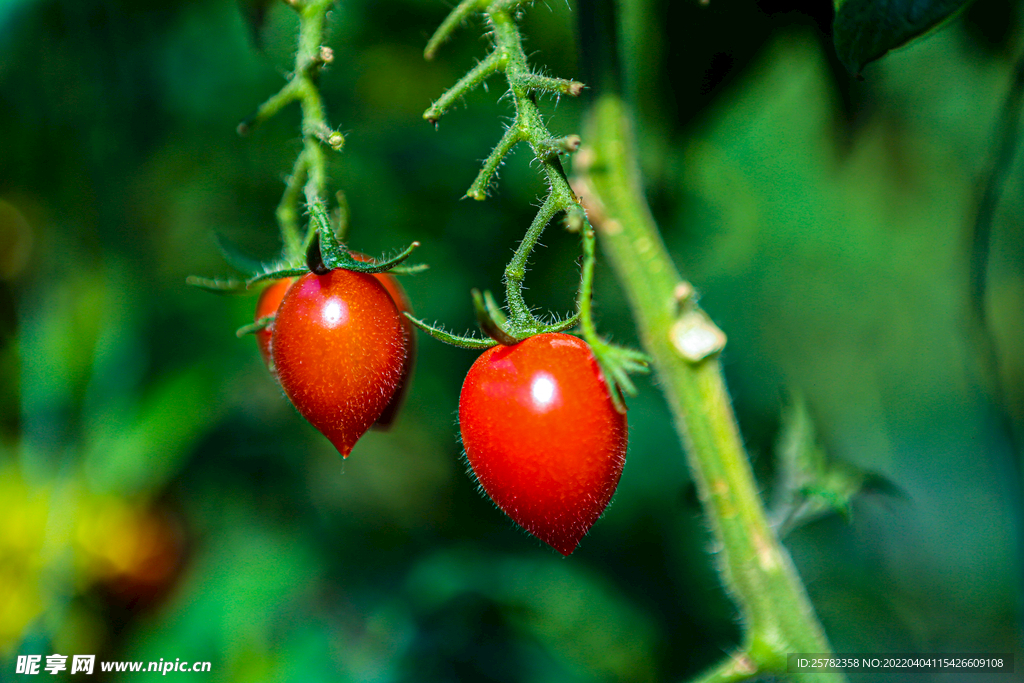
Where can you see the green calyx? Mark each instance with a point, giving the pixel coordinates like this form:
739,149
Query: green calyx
325,251
320,259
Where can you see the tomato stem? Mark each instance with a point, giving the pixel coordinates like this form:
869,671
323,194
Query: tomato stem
452,22
515,271
508,57
309,175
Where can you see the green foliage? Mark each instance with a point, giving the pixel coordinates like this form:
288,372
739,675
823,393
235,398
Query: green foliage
810,485
575,616
864,30
849,263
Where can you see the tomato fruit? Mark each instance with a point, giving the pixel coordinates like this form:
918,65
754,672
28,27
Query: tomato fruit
271,298
339,348
398,295
542,435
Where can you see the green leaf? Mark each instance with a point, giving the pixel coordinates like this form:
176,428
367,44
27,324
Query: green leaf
864,30
810,484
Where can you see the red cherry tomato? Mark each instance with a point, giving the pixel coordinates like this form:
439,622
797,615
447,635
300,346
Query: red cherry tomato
271,298
398,295
339,349
543,436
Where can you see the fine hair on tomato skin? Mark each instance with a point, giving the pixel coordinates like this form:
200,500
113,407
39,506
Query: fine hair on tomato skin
339,348
542,436
270,300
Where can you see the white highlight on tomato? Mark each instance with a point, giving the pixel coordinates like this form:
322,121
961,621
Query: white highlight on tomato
334,313
543,390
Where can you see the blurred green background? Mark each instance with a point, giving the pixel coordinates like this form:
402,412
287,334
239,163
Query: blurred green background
159,498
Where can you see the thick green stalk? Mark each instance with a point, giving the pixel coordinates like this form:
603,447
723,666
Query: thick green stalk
684,345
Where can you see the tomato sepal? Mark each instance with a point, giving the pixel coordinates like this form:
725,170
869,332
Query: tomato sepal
326,252
492,307
375,266
491,320
463,342
254,327
616,362
562,325
410,270
496,325
217,285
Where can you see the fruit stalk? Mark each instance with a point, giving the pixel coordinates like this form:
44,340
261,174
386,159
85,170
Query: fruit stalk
309,175
684,345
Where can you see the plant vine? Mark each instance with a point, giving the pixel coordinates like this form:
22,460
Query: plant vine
319,244
508,57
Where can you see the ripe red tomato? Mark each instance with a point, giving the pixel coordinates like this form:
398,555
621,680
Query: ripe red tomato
271,298
398,295
543,436
339,349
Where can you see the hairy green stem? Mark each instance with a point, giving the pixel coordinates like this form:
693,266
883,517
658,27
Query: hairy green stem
515,271
313,16
684,346
458,15
309,174
531,127
587,281
288,209
472,80
507,55
512,137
